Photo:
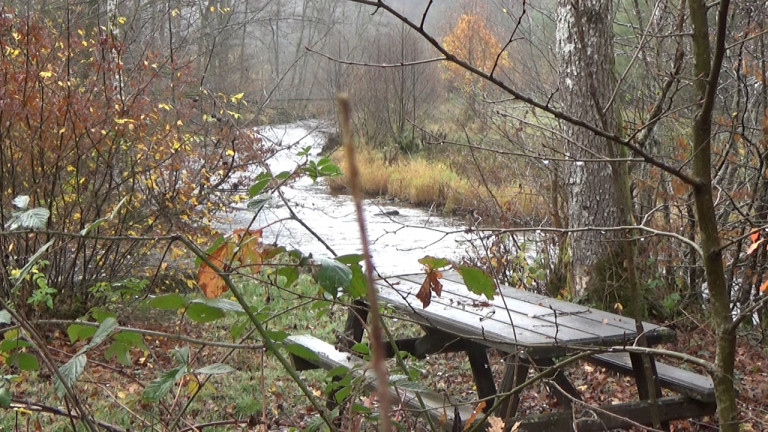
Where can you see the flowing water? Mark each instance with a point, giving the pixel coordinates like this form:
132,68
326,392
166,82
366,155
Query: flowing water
399,235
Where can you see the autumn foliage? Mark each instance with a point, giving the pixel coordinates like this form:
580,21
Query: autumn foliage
472,41
88,121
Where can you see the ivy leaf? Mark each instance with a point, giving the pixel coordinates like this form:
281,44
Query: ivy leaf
70,371
478,281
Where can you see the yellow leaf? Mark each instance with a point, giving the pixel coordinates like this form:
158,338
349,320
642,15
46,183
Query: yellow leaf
237,97
46,74
121,20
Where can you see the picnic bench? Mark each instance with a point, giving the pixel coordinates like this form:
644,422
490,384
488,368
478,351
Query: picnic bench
533,332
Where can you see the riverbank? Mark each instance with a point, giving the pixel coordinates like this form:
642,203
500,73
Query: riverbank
435,184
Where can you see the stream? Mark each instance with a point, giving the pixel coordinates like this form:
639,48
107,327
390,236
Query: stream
398,234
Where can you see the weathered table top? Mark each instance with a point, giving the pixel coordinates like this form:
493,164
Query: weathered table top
517,319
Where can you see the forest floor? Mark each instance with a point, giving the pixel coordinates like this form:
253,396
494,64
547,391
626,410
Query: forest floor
259,395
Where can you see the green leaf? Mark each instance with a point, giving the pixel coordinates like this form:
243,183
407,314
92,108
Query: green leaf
168,302
131,339
333,275
362,348
5,317
237,329
182,355
221,303
259,186
78,332
359,408
202,313
31,263
101,314
160,387
277,335
478,281
337,371
258,202
290,273
283,175
23,361
70,371
9,345
434,263
105,328
121,351
302,352
5,394
215,369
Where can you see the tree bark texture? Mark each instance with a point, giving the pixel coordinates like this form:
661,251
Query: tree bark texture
587,81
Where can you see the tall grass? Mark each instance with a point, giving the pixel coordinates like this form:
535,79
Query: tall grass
425,182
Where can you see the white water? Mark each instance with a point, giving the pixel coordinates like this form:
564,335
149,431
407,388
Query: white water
396,242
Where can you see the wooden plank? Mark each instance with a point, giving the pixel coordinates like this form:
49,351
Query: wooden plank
670,408
437,406
691,384
537,313
475,318
563,308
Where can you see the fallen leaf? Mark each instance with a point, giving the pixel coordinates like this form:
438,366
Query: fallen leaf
754,236
478,409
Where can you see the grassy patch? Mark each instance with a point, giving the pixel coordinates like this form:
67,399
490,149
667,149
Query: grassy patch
424,182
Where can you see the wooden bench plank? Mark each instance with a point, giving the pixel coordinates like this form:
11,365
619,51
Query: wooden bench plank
328,357
684,382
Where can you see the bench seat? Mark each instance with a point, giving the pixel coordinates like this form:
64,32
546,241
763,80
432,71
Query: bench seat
439,408
681,381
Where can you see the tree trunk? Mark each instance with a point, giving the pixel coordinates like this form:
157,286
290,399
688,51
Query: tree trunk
587,81
707,72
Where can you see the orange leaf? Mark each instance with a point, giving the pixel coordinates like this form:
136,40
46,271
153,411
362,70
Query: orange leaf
754,236
478,409
754,246
207,278
764,286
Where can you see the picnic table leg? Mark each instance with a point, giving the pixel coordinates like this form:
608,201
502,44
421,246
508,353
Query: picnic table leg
357,317
481,371
641,379
515,373
563,385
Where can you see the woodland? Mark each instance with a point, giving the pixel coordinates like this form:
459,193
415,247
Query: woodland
629,136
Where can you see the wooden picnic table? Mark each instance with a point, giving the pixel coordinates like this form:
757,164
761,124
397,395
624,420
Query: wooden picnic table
535,331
